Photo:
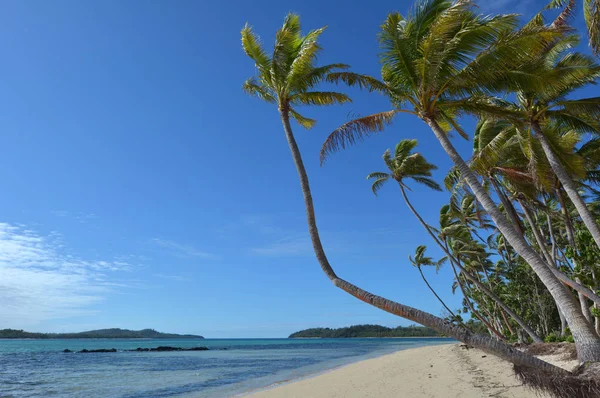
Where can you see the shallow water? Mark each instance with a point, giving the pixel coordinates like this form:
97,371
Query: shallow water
34,368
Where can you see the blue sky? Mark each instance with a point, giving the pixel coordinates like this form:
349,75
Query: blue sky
142,188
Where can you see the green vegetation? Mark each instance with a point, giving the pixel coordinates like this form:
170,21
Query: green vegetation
96,334
367,331
520,231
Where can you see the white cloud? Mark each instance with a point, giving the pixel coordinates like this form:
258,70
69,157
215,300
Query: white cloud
182,250
39,281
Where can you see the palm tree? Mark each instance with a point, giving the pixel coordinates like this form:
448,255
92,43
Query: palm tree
548,110
280,80
438,63
421,260
404,166
513,160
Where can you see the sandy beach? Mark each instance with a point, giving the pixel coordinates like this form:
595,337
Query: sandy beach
437,371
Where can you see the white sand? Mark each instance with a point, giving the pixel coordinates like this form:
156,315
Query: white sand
443,371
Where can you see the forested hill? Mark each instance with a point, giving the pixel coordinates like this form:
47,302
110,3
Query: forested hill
96,334
367,331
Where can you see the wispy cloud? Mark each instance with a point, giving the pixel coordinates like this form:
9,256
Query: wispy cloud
170,277
286,247
182,250
39,281
83,218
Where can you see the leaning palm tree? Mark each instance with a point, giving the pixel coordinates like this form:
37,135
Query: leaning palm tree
406,165
421,260
550,112
286,79
442,61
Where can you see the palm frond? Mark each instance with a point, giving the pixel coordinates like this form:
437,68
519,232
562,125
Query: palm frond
351,132
288,40
428,182
255,89
398,55
591,13
305,122
567,12
316,75
404,148
319,98
361,81
304,60
252,48
590,107
378,183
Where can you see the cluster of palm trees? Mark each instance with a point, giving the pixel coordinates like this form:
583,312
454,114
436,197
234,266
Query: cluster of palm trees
520,231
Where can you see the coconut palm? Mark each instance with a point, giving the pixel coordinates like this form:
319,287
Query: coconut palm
442,61
550,112
421,260
406,165
286,79
513,160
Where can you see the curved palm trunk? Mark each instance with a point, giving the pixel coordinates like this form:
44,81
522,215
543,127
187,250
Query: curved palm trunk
470,276
586,339
484,343
508,206
585,309
472,308
568,184
435,294
536,234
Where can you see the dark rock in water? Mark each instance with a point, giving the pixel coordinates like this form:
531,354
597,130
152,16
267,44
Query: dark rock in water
84,351
140,349
67,350
166,348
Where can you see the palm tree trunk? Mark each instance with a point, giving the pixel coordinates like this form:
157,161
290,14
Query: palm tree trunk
563,323
571,239
586,339
435,294
508,206
536,234
472,308
484,343
467,274
568,183
585,309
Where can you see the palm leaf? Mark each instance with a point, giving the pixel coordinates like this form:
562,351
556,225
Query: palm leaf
319,98
252,48
591,13
351,132
377,184
251,87
362,81
303,62
305,122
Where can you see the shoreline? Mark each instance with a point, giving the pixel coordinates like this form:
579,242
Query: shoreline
358,360
443,370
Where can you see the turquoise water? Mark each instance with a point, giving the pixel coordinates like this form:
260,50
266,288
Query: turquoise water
39,368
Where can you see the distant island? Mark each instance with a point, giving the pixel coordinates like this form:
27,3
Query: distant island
96,334
358,331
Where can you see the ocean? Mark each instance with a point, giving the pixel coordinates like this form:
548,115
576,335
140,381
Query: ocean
40,368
